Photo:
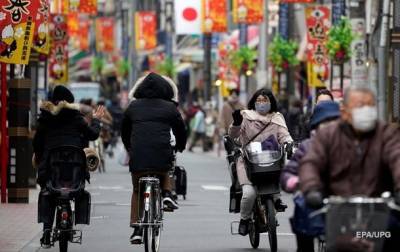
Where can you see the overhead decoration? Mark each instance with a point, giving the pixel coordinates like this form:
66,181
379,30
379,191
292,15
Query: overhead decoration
297,1
214,16
84,24
59,7
41,38
243,59
105,34
228,76
282,53
166,67
340,37
58,63
248,11
17,26
146,30
88,7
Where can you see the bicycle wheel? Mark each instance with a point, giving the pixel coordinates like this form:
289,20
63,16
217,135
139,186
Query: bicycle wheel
254,235
271,222
63,241
155,243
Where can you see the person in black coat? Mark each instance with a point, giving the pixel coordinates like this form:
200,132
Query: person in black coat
60,123
146,135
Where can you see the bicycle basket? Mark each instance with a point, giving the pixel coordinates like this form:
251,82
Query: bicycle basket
347,223
265,161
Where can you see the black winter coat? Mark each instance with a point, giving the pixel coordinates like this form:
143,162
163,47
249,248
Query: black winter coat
61,125
146,134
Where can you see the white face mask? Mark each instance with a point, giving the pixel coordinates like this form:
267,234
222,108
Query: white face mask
365,118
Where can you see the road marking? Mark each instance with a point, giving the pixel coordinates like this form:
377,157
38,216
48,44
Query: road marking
100,217
111,187
123,204
285,234
214,188
95,194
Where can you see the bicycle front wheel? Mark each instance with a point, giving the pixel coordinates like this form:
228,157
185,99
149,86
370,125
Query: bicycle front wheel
271,219
155,243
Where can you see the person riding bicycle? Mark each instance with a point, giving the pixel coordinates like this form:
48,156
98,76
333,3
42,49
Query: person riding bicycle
324,113
60,123
146,136
262,115
356,155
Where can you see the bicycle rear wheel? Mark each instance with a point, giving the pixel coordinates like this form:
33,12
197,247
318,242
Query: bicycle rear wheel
254,235
155,243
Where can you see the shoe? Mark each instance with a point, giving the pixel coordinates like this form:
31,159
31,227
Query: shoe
244,227
169,202
45,240
279,206
136,237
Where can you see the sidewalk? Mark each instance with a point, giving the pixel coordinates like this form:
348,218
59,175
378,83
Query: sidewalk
18,224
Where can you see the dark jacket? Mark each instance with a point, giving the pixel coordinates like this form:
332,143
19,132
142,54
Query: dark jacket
337,165
146,128
292,167
59,125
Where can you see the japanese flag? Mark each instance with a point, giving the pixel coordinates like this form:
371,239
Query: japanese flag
187,16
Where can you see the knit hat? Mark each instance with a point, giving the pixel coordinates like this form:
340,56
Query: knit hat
61,93
325,110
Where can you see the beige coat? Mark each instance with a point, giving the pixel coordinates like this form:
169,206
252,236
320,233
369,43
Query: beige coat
251,125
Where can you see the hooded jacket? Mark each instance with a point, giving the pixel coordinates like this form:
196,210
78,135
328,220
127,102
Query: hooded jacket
59,125
147,123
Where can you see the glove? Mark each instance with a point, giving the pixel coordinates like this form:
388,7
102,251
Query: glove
237,117
289,150
314,199
397,197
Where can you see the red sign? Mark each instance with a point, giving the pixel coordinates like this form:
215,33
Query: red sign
58,65
146,30
17,25
105,34
88,6
84,25
214,16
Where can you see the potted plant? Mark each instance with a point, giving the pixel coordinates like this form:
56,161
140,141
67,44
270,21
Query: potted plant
243,59
340,37
282,53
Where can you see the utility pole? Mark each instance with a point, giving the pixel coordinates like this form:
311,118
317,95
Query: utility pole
132,45
262,73
207,65
243,77
382,61
396,61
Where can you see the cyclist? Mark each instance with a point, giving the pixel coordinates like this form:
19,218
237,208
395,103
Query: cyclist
60,123
261,118
357,155
146,136
324,113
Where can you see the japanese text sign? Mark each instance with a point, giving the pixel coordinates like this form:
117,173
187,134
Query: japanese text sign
214,16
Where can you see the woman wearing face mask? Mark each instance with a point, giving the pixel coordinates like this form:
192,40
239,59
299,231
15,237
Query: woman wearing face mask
262,118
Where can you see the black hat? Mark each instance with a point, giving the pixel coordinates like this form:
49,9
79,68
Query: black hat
324,111
61,93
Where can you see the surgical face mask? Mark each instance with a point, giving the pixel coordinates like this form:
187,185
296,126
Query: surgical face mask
364,118
263,108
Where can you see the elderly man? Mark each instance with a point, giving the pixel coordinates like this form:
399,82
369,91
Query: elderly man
356,155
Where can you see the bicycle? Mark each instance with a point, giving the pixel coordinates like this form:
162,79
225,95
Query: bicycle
151,218
349,219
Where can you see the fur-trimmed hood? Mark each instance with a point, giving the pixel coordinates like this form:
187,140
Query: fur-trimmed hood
56,109
154,86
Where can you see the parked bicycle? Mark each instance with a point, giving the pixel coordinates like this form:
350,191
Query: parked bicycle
151,214
356,223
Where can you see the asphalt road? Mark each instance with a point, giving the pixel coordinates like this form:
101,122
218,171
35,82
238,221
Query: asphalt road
202,223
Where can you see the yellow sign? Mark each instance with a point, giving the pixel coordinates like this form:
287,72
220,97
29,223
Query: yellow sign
315,74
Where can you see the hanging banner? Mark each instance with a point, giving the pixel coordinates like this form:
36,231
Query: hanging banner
359,71
58,63
41,38
284,20
17,26
59,7
297,1
187,16
105,34
248,11
338,10
87,6
146,30
83,35
214,16
229,77
318,24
